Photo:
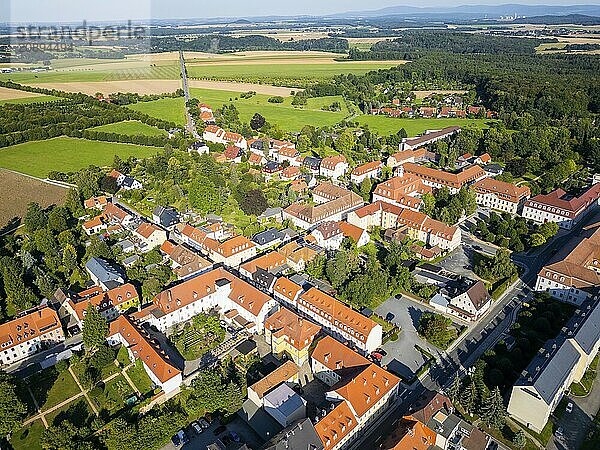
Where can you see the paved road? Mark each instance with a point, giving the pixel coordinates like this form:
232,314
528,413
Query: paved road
191,125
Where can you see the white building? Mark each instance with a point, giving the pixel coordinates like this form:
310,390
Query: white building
149,236
334,167
31,332
501,196
328,235
370,170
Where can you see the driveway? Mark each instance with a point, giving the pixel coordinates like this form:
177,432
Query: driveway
402,356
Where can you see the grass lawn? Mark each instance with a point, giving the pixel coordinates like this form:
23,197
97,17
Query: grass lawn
28,100
131,128
169,109
77,412
51,387
140,378
587,381
198,337
66,154
288,117
389,125
112,397
28,437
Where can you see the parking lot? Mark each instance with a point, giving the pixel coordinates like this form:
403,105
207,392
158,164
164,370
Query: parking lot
402,356
208,436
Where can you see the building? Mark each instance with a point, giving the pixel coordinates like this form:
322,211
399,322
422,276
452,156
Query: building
288,372
29,333
334,167
184,262
332,204
95,225
149,236
572,275
301,435
430,231
289,154
166,217
103,274
96,203
271,214
402,191
288,333
290,173
377,214
237,301
370,170
312,163
233,154
357,234
199,147
268,238
328,235
269,262
429,137
413,156
561,208
140,346
257,159
500,195
116,215
360,392
340,320
410,434
439,179
110,304
285,405
468,302
299,255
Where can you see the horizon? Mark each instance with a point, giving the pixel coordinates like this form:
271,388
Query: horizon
70,11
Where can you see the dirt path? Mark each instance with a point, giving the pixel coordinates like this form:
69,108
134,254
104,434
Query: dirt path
89,400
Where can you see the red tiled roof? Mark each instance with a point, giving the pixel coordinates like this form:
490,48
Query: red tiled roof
336,425
287,288
27,327
105,300
504,190
367,168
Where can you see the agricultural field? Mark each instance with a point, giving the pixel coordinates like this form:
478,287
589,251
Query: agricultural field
389,125
16,96
288,117
17,191
65,154
131,128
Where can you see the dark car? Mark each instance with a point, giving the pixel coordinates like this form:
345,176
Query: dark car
176,441
389,317
477,247
234,436
220,429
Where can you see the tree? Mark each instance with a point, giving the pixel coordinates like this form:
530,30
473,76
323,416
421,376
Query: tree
519,439
492,410
428,204
254,202
13,409
537,240
468,397
454,389
257,122
365,188
548,229
95,329
203,195
69,258
35,218
58,219
345,143
436,329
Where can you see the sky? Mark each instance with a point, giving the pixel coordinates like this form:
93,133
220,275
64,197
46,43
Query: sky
103,10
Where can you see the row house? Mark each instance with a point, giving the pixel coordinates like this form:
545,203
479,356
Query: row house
559,207
574,277
239,302
110,304
500,195
447,112
217,135
289,154
141,346
413,156
360,392
429,137
184,262
439,179
430,231
402,191
377,214
290,335
334,167
369,170
269,262
28,334
357,234
328,235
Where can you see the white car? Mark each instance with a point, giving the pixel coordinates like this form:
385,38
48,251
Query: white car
204,424
569,408
197,428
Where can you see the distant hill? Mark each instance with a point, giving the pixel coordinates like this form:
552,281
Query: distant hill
576,19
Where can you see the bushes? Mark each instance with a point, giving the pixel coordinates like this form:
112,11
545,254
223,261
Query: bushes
437,329
276,99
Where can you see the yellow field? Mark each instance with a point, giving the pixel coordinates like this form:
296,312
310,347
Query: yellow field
11,94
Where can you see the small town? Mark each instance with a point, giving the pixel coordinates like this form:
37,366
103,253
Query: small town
325,232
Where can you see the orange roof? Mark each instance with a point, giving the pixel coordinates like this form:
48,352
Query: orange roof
569,206
408,154
410,434
27,327
351,231
336,356
283,373
93,223
212,129
502,189
233,246
299,185
366,168
206,115
146,229
255,158
113,212
96,202
398,189
421,222
485,158
104,300
371,209
232,152
192,233
287,288
455,180
290,172
233,137
167,247
144,348
288,152
336,425
297,331
331,162
268,261
243,294
114,174
359,325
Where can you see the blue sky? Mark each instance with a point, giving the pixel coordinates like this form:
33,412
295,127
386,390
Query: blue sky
102,10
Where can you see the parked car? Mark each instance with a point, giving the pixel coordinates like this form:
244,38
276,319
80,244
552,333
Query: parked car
376,356
389,316
381,351
569,407
559,432
180,439
234,436
176,441
220,429
204,424
197,428
223,324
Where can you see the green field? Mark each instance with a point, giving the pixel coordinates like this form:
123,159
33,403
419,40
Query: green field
169,109
389,125
28,437
66,154
131,128
28,100
288,117
308,71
